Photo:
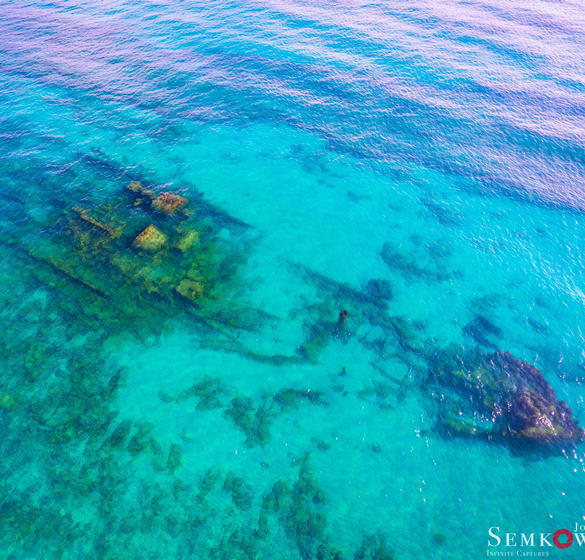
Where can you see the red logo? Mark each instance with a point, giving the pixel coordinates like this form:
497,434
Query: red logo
567,534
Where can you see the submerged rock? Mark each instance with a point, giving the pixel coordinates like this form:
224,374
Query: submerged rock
480,328
297,506
140,440
241,492
534,417
150,239
503,397
7,401
187,241
175,458
373,548
137,188
120,434
379,289
208,482
34,359
169,203
190,289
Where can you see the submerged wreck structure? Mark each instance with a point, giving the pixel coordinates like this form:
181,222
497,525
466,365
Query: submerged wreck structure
141,253
498,397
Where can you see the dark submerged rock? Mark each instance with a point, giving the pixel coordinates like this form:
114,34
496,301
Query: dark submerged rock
373,548
242,493
175,459
120,434
480,329
503,397
379,289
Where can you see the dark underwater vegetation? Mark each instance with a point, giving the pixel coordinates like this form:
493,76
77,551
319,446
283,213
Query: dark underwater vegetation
290,280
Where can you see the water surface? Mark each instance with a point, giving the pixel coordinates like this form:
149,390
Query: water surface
437,146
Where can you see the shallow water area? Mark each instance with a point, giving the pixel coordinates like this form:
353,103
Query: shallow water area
257,263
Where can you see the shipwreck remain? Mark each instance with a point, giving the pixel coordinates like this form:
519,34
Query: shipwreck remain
141,253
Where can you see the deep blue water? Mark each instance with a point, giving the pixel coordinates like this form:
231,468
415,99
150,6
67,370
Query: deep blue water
420,165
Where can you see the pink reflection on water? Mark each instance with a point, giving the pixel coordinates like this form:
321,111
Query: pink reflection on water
439,55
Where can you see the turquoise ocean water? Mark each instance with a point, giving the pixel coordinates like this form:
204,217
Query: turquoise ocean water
418,164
